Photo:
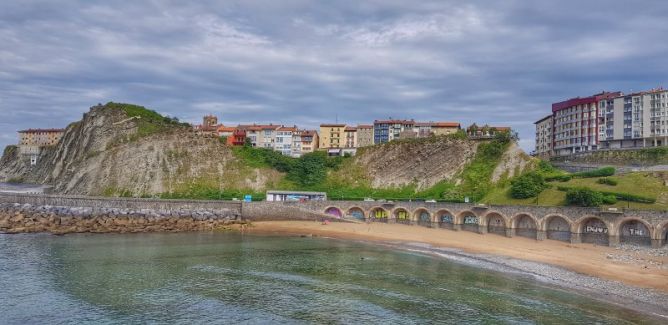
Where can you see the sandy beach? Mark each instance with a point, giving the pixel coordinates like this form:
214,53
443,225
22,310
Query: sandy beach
617,274
582,258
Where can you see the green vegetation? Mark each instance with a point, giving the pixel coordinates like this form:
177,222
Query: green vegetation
607,181
601,172
648,185
148,121
10,150
476,177
198,192
617,195
527,185
584,197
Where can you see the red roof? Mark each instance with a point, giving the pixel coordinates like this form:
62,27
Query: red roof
333,125
446,124
365,126
41,130
582,101
226,129
308,133
350,128
285,128
394,122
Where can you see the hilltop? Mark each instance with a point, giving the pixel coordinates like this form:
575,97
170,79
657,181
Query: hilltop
128,150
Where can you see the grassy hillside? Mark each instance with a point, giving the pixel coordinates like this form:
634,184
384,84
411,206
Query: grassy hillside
649,185
346,178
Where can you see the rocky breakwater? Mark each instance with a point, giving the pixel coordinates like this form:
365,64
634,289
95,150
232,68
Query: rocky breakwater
26,218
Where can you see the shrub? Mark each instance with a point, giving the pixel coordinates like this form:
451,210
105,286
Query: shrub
560,178
583,197
607,181
527,185
609,199
619,196
601,172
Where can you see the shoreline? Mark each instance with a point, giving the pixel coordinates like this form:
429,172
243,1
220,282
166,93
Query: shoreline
595,282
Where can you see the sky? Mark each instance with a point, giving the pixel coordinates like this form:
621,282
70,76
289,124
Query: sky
313,62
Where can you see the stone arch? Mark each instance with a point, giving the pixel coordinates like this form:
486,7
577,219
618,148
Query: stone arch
661,231
525,225
401,215
469,220
378,214
593,230
334,212
496,223
634,231
356,213
445,219
557,227
422,217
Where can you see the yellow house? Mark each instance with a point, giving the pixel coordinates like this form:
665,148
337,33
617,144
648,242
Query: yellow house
332,136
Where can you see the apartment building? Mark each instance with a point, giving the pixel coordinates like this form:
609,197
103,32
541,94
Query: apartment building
387,130
544,137
261,136
283,139
350,135
364,135
576,121
31,141
445,128
636,120
309,141
332,136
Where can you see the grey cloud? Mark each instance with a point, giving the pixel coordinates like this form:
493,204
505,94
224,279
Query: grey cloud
306,63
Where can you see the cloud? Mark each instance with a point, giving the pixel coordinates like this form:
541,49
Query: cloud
305,63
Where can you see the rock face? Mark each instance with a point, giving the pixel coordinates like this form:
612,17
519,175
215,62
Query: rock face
104,155
423,163
513,162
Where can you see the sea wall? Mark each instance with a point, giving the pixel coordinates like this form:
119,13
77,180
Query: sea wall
100,216
64,214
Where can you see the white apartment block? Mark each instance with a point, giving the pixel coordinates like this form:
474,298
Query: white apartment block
637,120
544,136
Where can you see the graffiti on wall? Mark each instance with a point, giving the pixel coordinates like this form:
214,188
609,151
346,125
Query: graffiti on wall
470,220
446,218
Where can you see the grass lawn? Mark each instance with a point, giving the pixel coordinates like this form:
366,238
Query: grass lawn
634,183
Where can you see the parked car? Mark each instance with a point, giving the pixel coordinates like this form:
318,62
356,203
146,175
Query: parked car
430,201
368,199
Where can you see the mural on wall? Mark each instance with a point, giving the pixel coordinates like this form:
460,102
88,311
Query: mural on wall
635,232
380,214
470,223
424,218
356,213
334,212
594,231
446,218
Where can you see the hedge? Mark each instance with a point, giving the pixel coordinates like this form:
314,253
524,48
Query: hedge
560,178
584,197
601,172
619,196
607,181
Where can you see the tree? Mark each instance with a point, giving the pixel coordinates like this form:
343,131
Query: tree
527,185
248,143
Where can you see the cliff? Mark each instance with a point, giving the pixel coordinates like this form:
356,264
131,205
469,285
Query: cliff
114,150
127,150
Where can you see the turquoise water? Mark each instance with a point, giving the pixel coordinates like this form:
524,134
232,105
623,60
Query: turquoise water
228,278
